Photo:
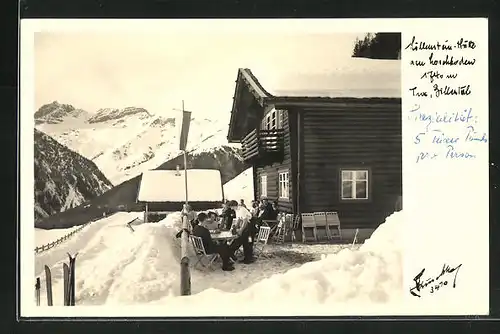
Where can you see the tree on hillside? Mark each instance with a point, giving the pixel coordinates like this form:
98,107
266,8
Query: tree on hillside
378,46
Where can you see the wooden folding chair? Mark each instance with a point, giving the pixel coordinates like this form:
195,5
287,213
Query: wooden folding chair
281,230
308,223
322,230
269,222
333,224
261,240
206,260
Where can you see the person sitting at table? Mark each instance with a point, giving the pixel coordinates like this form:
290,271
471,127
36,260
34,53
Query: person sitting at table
211,247
213,216
242,227
211,222
254,210
228,214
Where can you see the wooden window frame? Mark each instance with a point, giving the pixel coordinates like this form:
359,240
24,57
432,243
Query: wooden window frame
263,189
287,183
368,197
273,115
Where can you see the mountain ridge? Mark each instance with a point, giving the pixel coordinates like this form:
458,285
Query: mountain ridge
144,141
63,178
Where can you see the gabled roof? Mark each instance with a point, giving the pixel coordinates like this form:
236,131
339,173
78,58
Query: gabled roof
162,186
358,80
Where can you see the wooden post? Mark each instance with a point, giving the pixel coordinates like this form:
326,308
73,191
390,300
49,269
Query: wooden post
146,214
185,275
299,170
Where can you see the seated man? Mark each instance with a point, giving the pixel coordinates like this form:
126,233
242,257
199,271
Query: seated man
211,247
242,226
212,223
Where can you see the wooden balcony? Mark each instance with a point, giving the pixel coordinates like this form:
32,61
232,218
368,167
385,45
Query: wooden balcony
260,144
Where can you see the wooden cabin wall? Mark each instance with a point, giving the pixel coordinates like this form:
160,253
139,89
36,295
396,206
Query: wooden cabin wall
351,136
272,171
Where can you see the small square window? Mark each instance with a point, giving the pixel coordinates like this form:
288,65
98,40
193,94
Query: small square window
354,184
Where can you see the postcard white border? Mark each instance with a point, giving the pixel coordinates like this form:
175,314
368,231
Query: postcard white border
471,300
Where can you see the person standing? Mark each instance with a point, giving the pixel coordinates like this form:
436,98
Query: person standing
242,203
228,214
242,228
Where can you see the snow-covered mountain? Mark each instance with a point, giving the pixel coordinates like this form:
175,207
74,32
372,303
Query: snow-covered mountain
125,142
63,179
55,113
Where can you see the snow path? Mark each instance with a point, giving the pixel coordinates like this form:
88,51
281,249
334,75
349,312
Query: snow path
116,266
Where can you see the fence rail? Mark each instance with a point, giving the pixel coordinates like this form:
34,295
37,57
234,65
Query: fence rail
50,245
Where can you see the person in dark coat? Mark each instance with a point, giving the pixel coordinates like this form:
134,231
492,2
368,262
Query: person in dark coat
211,247
228,214
274,212
266,211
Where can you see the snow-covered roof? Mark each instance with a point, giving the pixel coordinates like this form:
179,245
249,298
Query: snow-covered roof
354,78
204,185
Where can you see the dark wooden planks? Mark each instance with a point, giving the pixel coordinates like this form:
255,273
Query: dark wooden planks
273,169
354,136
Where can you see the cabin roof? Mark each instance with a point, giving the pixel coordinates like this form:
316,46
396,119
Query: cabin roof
358,80
167,186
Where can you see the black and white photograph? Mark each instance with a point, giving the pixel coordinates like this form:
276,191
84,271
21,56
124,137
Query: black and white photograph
267,165
207,171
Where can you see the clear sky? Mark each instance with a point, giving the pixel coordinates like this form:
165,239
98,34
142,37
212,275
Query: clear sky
157,71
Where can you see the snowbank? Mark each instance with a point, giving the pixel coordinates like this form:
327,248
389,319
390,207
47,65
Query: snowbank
372,274
116,266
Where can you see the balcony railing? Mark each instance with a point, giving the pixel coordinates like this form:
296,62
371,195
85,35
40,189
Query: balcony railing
262,143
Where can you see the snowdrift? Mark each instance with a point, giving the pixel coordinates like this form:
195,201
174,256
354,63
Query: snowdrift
372,274
117,267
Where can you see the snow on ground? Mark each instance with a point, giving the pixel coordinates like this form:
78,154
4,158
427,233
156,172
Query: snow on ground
120,267
241,187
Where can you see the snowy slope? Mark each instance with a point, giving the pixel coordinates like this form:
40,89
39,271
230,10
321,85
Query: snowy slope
241,187
125,142
144,270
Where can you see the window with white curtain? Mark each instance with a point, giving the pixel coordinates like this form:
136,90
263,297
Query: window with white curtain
283,182
263,185
354,184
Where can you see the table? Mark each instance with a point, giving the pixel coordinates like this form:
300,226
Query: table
223,236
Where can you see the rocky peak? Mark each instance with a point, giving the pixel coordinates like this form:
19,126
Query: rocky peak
107,114
55,112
